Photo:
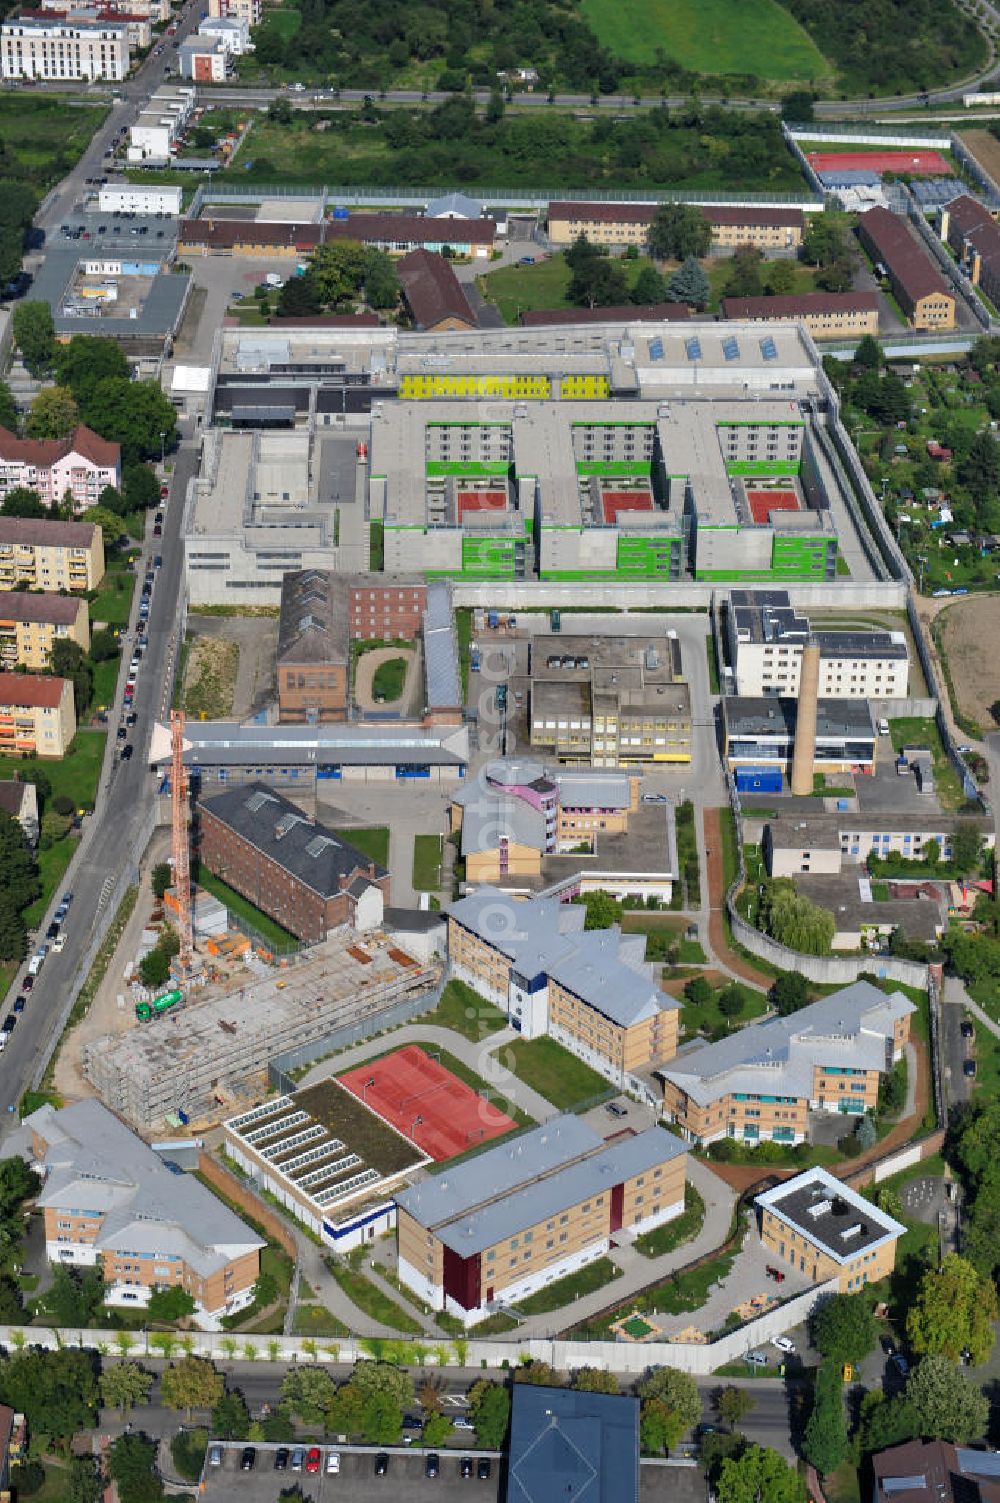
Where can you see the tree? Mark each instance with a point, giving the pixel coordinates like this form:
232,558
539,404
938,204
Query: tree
950,1406
307,1393
866,1132
744,278
54,413
886,1422
980,470
56,1390
67,660
154,968
11,1302
132,1465
133,414
437,1429
732,1001
823,240
688,284
74,1296
779,278
103,646
172,1303
10,418
140,487
602,909
594,1380
87,359
843,1327
824,1441
697,991
85,1483
790,992
34,335
537,1373
381,1418
299,298
795,921
758,1475
489,1410
231,1417
649,287
192,1383
679,231
187,1451
671,1404
953,1312
596,281
869,353
732,1405
124,1384
381,284
966,846
797,107
161,878
23,502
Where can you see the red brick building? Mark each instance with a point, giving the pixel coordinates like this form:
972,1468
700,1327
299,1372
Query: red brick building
306,877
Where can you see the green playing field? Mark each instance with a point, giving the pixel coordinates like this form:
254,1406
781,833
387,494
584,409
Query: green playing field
709,36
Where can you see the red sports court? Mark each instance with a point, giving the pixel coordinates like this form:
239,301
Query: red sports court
481,501
613,502
427,1103
927,163
763,502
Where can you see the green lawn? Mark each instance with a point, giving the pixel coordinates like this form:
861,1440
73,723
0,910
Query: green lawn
465,1011
112,603
987,1057
76,774
427,851
912,730
520,289
363,1293
316,1320
44,136
663,1239
564,1291
709,36
52,866
719,272
707,1019
105,682
388,680
269,931
372,842
553,1072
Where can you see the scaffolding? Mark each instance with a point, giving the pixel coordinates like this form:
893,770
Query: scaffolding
180,844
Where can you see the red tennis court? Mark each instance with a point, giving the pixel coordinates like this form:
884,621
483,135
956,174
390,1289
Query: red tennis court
765,501
615,501
427,1103
928,163
481,501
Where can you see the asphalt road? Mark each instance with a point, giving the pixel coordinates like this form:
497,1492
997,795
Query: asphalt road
123,803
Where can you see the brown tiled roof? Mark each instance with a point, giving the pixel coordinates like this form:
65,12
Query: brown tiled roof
39,532
56,610
977,225
11,799
937,1472
432,290
797,305
633,213
892,241
328,321
223,234
43,452
217,232
648,313
33,690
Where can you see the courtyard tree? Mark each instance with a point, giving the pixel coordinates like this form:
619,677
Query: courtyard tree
124,1384
54,413
489,1410
671,1405
790,992
689,284
758,1475
824,1442
843,1328
953,1312
308,1393
192,1383
950,1405
679,231
34,335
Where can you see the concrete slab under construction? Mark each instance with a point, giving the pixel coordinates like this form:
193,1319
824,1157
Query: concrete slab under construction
212,1054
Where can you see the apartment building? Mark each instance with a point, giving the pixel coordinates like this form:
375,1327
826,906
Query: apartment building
827,315
37,715
497,1228
138,22
249,11
612,702
827,844
825,1230
51,47
109,1201
31,624
232,31
592,991
765,637
81,465
42,555
307,878
917,285
205,59
761,1083
150,10
154,135
618,225
974,236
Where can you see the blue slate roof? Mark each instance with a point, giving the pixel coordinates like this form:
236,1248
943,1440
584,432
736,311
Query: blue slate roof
577,1447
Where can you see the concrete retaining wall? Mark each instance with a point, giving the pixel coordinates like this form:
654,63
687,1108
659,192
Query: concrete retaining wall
872,135
505,594
241,1195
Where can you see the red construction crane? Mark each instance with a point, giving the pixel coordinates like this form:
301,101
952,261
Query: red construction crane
180,846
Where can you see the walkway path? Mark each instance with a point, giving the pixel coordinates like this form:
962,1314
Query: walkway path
638,1271
712,862
956,993
480,1057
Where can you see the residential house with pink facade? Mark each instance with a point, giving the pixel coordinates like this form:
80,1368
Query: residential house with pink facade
83,464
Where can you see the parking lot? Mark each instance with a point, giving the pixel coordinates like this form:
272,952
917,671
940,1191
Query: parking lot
357,1479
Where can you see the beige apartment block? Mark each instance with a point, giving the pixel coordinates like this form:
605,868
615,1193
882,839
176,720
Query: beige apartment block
825,1230
37,715
30,626
51,556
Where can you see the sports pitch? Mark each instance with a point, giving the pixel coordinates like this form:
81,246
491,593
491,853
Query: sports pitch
709,36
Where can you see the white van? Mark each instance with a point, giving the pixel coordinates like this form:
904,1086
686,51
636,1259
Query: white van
883,727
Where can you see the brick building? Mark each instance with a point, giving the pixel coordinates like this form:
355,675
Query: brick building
827,1231
761,1083
307,878
30,625
974,236
37,715
110,1202
917,285
497,1228
42,555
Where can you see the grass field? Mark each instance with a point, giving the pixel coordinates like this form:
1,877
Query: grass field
43,137
372,842
427,862
75,774
112,603
564,1291
521,289
553,1072
268,930
916,731
708,36
466,1012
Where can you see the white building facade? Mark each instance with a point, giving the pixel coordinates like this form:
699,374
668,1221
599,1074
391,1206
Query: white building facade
64,47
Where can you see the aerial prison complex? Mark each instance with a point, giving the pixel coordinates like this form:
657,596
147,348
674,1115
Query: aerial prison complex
622,452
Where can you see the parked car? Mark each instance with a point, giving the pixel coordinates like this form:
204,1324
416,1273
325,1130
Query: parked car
314,1459
465,1467
20,1002
774,1273
215,1456
127,752
968,1032
463,1422
969,1068
248,1460
381,1464
899,1362
615,1109
59,942
483,1469
784,1343
333,1464
757,1359
888,1345
432,1465
281,1459
298,1457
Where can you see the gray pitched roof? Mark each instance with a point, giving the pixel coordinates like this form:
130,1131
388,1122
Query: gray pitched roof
93,1160
579,1446
313,854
